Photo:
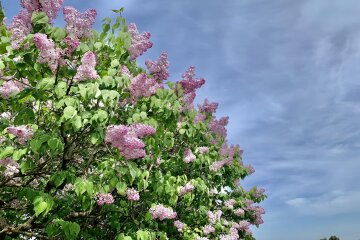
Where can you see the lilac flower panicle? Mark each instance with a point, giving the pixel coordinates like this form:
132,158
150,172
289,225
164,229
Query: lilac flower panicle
132,194
104,198
215,166
230,203
11,167
126,139
49,7
189,85
78,24
208,229
72,43
199,118
239,212
140,43
189,156
87,68
186,189
250,169
20,28
218,126
48,52
142,86
203,150
214,216
23,133
142,130
179,225
208,107
160,212
159,68
8,89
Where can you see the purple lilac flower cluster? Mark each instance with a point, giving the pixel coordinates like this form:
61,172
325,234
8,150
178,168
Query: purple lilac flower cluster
78,25
126,139
86,71
186,189
12,87
48,52
140,43
23,133
161,212
132,194
159,68
189,156
104,198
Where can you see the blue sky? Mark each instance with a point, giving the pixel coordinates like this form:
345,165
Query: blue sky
287,73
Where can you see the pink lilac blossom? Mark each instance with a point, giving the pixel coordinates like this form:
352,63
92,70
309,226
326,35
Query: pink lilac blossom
228,153
202,238
218,127
125,71
189,156
160,212
48,52
11,167
132,194
199,118
259,192
23,133
142,86
72,43
159,68
208,229
230,203
214,216
239,212
86,71
78,25
250,169
189,85
208,107
20,28
203,150
126,139
49,7
244,225
140,43
104,198
179,225
186,189
232,235
215,166
8,89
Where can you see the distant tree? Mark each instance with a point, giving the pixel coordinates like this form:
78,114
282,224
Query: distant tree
323,239
334,238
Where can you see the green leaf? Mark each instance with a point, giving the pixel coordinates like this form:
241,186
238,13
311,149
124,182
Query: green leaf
71,230
54,143
46,84
25,116
59,34
121,188
35,145
6,152
58,178
17,155
39,18
115,63
60,89
76,122
40,207
27,165
69,112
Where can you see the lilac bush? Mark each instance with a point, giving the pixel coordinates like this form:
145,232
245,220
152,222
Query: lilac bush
92,146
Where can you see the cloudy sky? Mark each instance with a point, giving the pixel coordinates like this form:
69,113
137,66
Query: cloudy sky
286,72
